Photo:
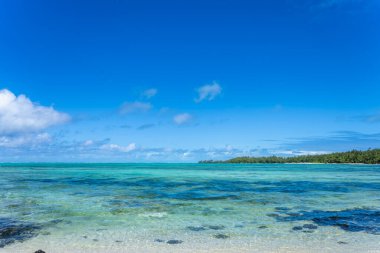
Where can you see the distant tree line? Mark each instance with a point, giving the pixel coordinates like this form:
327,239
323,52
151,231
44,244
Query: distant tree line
370,156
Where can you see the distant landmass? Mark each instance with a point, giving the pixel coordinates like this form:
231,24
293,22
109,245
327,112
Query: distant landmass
371,156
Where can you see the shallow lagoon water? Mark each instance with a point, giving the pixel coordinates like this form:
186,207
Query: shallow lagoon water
189,208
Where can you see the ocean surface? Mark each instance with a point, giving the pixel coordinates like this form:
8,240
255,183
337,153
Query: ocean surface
189,208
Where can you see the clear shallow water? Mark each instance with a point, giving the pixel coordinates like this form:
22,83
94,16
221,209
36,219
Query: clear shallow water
189,207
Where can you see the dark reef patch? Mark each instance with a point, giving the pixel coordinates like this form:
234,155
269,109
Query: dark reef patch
310,226
12,231
273,215
351,220
216,227
297,228
196,229
221,236
204,190
174,242
206,227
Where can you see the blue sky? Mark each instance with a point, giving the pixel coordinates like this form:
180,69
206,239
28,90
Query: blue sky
180,81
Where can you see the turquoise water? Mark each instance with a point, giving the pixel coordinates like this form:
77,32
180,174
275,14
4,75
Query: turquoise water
189,207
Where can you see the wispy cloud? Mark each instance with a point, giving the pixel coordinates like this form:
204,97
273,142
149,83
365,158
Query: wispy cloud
88,143
182,119
369,118
149,93
373,118
18,114
208,92
51,148
114,147
337,141
331,3
145,126
342,5
133,107
105,150
93,143
299,152
278,108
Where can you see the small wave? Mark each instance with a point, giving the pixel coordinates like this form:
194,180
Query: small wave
154,215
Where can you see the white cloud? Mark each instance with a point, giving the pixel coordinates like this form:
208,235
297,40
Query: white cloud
183,118
115,147
208,92
130,107
42,147
19,114
149,93
88,143
300,152
24,140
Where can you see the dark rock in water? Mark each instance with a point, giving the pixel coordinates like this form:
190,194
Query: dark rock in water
274,215
262,227
118,211
12,231
292,214
174,242
221,236
39,251
56,221
351,220
215,227
118,241
192,228
282,208
159,240
342,242
297,228
310,226
15,230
